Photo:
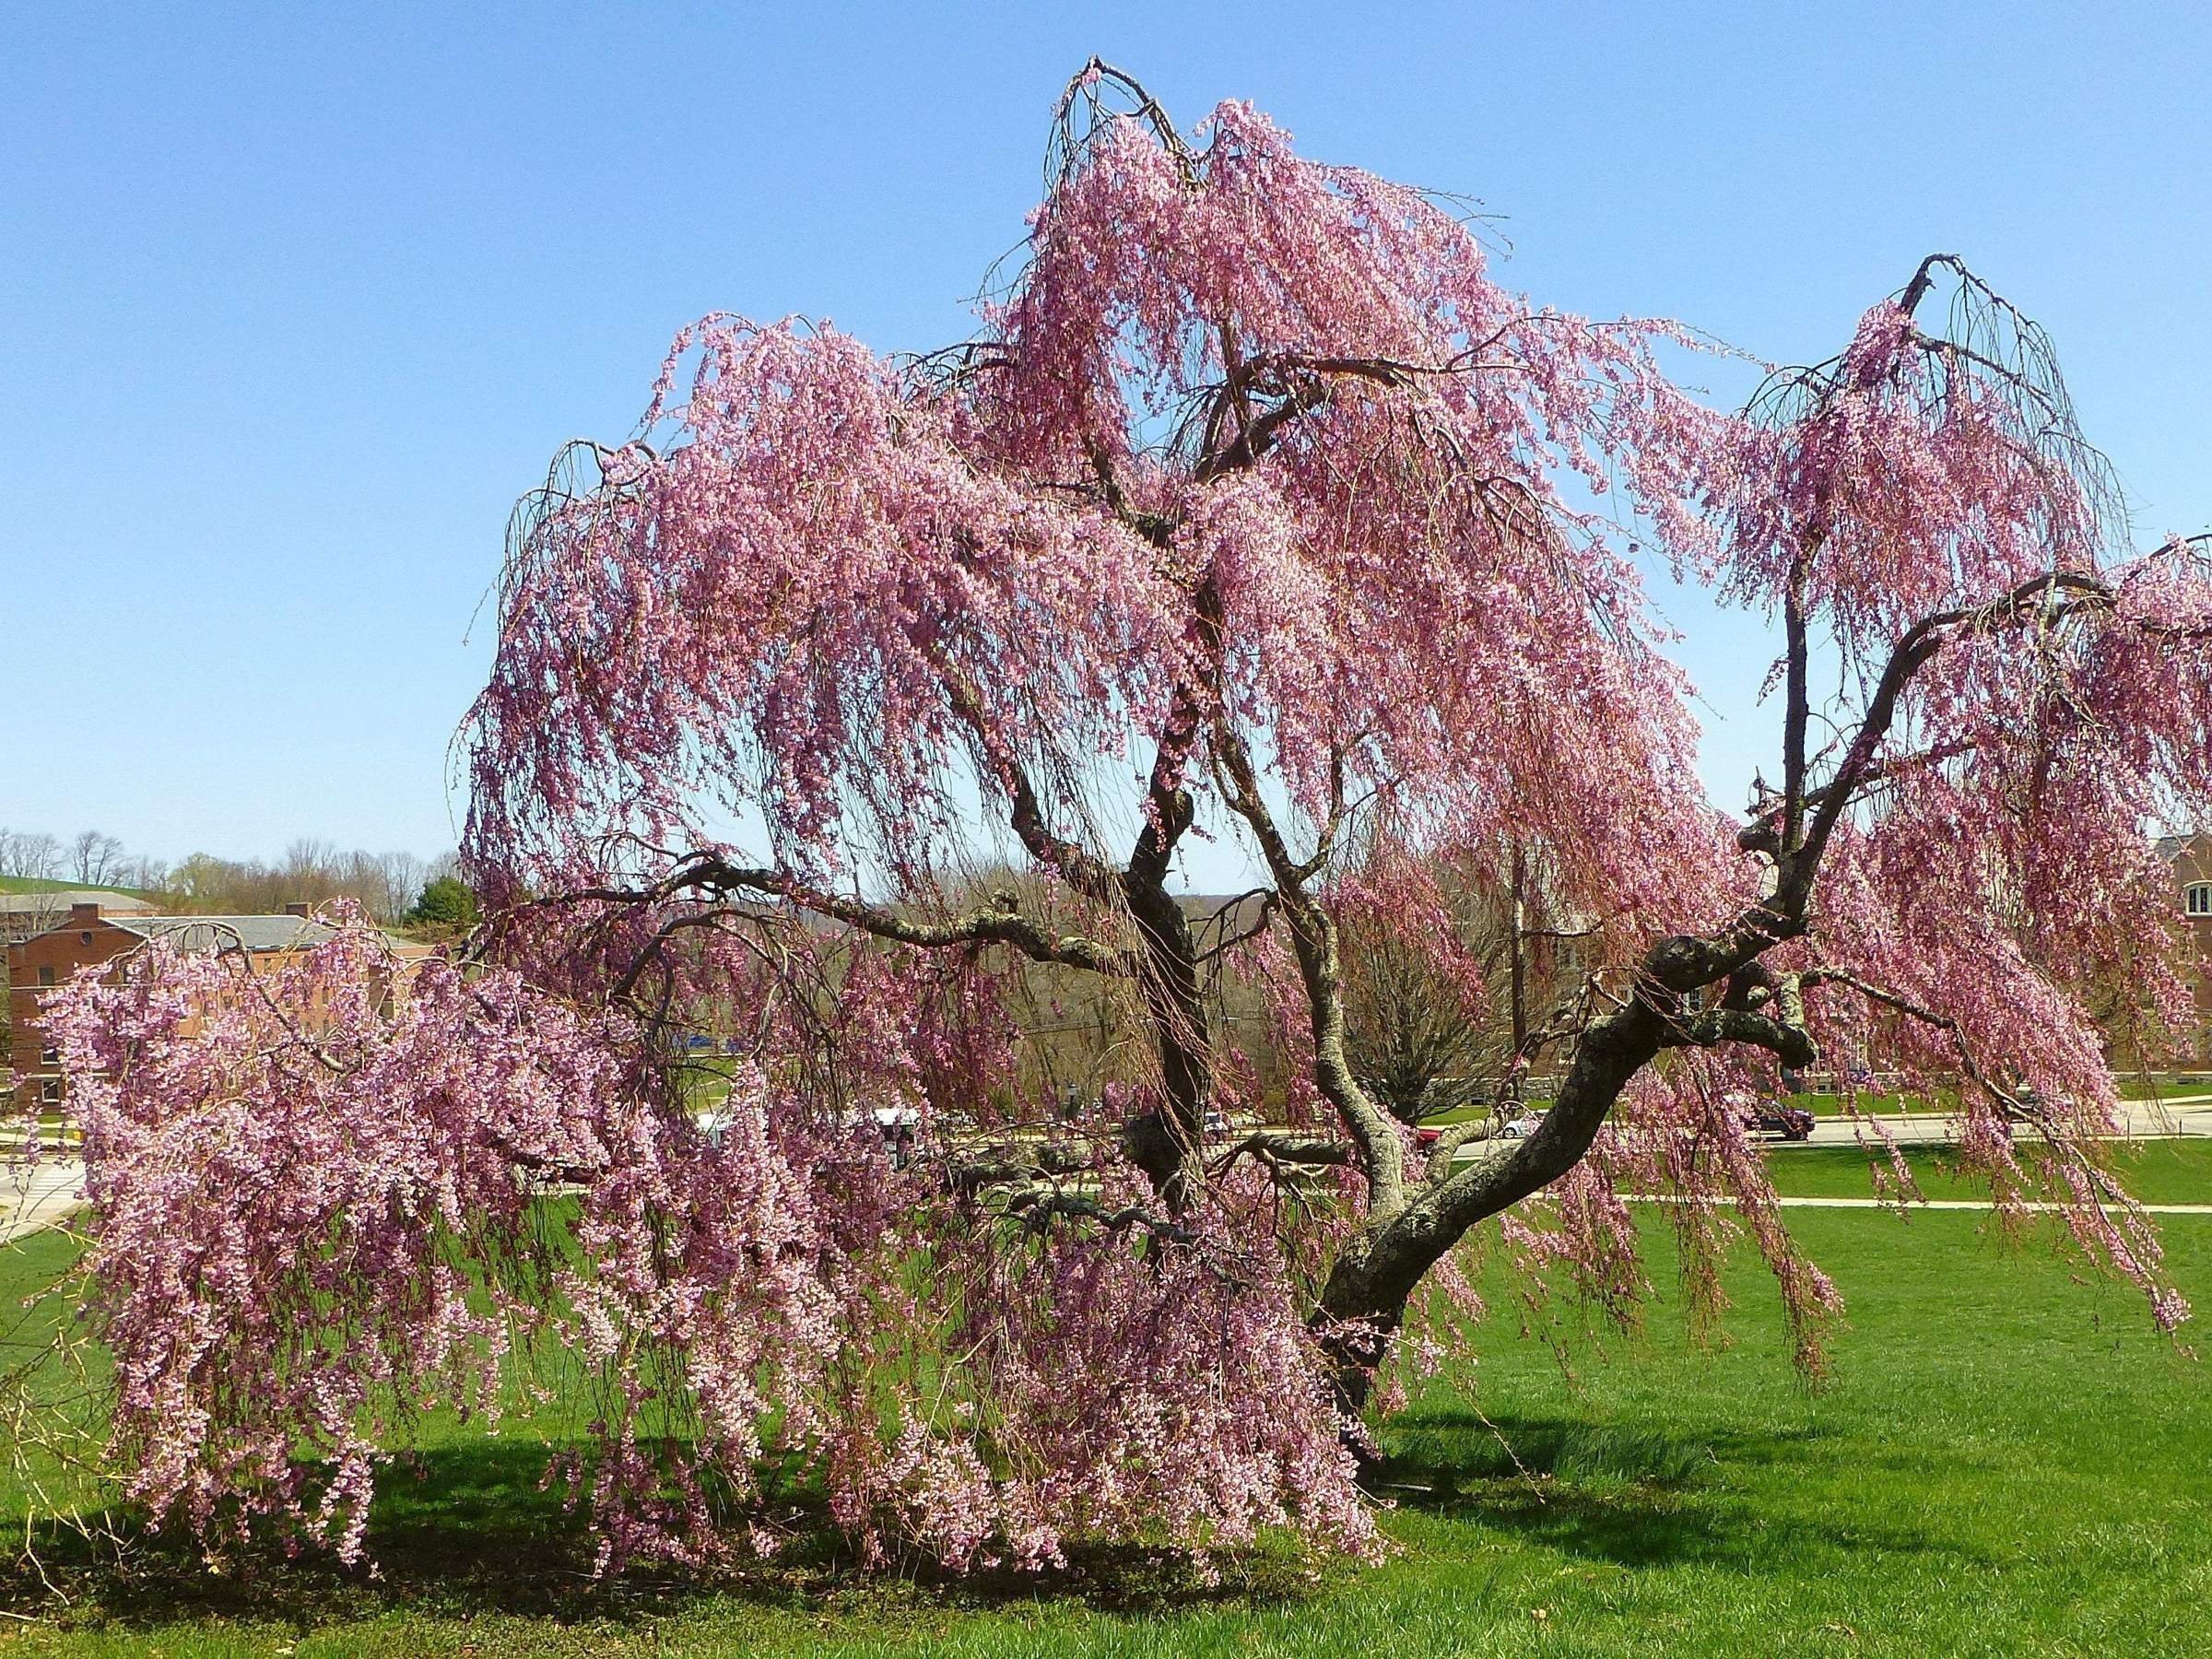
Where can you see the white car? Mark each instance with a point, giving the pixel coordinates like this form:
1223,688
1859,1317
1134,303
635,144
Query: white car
1521,1127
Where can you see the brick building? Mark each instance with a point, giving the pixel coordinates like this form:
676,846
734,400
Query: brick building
2191,859
93,933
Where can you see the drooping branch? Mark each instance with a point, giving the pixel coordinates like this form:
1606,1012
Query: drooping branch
1227,939
1082,869
1762,834
1085,90
1899,1003
2045,600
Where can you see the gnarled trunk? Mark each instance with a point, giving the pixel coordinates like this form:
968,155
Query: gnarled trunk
1362,1303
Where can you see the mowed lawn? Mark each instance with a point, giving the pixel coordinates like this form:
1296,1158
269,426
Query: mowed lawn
2007,1459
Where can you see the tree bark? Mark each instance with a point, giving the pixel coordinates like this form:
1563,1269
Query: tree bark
1169,1145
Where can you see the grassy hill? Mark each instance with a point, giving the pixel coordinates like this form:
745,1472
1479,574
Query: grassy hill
33,884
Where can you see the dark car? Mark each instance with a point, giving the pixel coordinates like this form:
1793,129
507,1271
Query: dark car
1788,1122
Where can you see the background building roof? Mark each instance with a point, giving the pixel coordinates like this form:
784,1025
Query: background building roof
217,933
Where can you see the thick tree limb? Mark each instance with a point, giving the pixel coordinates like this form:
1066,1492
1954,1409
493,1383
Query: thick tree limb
702,872
1272,1148
1373,1273
1019,1165
1038,1206
1709,1028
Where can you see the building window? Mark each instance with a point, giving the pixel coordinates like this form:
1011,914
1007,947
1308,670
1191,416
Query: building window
2196,898
46,974
50,1056
50,1091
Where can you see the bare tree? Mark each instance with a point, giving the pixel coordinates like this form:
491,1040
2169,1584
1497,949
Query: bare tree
146,874
28,854
93,857
310,872
1437,1016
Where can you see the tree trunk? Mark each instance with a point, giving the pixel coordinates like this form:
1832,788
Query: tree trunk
1169,1145
1363,1302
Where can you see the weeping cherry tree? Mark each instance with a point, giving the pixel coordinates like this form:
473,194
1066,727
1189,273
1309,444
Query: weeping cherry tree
1257,510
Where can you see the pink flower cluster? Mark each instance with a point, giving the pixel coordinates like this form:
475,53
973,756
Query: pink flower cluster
328,1196
841,587
306,1187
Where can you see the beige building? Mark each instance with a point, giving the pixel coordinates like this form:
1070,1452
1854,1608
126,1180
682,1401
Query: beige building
24,914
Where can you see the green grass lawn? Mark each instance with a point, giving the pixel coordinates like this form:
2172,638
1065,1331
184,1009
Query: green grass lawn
2007,1461
2159,1171
2134,1086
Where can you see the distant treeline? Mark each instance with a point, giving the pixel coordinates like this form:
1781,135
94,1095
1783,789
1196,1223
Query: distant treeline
387,885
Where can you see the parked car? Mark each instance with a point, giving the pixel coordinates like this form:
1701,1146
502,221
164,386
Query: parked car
1789,1122
1521,1126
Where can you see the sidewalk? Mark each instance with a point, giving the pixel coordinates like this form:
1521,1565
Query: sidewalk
32,1200
2175,1117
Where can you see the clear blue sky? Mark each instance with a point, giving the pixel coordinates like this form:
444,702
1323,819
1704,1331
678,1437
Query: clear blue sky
295,300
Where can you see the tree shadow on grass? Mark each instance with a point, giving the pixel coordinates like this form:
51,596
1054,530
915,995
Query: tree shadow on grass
1639,1494
469,1532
